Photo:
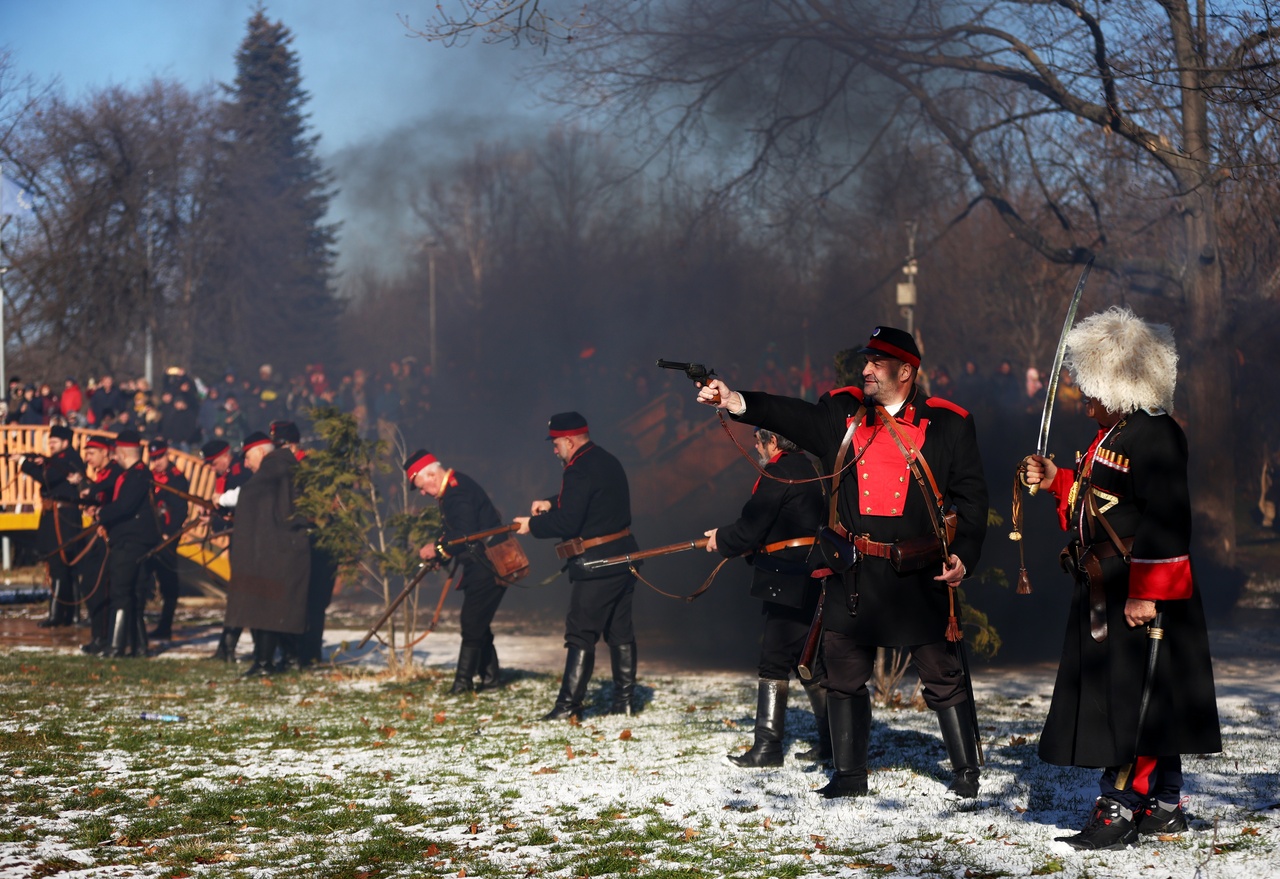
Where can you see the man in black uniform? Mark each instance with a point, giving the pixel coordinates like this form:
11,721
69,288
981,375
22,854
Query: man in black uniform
592,518
58,474
884,509
776,532
1128,508
92,576
171,511
231,475
128,522
466,509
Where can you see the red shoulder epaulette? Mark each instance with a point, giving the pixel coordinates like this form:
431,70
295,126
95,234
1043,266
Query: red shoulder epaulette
944,403
852,390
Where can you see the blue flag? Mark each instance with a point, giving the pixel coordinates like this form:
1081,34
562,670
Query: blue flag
14,200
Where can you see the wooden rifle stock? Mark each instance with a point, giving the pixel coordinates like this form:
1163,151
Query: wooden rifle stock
424,568
628,558
482,535
206,505
160,547
811,641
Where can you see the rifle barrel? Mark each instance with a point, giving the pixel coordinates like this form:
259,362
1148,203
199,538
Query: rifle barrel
424,568
669,549
200,502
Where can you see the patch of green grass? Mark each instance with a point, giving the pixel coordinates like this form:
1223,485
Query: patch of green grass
1050,866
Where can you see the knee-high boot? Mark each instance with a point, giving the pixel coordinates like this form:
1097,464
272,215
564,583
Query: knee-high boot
821,752
490,671
468,660
850,720
119,634
623,659
771,713
957,735
264,653
227,642
578,665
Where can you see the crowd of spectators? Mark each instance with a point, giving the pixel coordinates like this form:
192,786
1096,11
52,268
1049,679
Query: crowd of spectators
188,410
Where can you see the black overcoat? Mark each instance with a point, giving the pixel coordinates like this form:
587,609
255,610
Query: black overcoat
1137,473
63,521
775,513
271,566
880,498
466,509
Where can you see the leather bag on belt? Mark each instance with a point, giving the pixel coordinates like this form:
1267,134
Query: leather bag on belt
576,546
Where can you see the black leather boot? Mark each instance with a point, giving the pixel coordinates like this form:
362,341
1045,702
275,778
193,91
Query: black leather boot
99,634
821,752
264,654
957,735
119,635
490,671
771,714
850,721
138,645
164,626
623,659
578,665
469,657
227,642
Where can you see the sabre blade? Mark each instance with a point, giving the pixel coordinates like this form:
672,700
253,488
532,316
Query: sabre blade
1055,374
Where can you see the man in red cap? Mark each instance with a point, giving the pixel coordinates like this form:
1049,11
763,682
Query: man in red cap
171,512
592,518
272,564
128,523
92,581
899,462
58,475
466,509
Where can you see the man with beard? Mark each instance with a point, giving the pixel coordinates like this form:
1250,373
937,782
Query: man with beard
1128,508
465,509
58,475
272,564
128,522
901,461
592,517
776,532
171,511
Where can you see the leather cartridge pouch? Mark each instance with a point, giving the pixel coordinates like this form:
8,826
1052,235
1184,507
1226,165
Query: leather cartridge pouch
915,553
570,548
509,562
838,551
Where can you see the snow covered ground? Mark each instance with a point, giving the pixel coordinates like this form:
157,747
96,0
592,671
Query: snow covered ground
313,772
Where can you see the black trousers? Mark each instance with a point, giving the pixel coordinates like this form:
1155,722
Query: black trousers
849,666
127,573
785,629
164,567
600,608
62,600
481,595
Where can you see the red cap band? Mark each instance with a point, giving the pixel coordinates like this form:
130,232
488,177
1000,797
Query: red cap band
575,431
419,465
894,351
256,443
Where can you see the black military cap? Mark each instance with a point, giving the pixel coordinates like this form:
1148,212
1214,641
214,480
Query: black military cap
285,432
62,432
158,446
128,437
213,449
895,343
566,424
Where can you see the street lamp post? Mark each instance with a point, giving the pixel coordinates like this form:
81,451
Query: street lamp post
907,286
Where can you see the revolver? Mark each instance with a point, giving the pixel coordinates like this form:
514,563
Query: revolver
695,371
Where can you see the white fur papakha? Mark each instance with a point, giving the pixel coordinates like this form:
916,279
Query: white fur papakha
1123,362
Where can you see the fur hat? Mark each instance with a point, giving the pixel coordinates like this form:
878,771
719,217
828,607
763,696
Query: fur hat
1122,361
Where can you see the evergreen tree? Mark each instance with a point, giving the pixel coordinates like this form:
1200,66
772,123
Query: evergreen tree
271,300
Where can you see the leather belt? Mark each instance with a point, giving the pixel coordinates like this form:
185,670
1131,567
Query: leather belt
873,548
1105,549
788,544
605,538
576,546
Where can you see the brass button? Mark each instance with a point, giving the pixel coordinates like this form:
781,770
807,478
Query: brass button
868,509
894,512
866,475
867,492
897,494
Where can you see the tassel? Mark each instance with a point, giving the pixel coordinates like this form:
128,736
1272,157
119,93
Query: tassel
1024,582
953,625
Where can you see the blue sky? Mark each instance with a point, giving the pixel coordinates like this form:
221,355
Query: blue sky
365,75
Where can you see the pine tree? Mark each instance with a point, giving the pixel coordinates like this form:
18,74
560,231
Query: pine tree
270,299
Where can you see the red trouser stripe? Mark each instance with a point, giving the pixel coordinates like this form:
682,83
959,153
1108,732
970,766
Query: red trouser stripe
1144,768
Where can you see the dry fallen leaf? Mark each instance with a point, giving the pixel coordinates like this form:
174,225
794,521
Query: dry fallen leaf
568,751
690,833
153,802
545,770
439,718
473,829
768,822
625,735
388,731
432,851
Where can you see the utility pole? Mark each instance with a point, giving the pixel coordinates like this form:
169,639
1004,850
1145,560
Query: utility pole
149,360
430,245
907,286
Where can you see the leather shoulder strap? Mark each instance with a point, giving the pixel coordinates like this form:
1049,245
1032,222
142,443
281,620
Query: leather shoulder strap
919,468
838,473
